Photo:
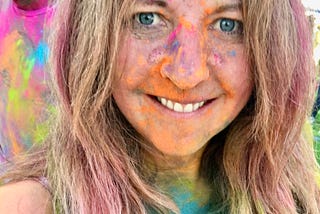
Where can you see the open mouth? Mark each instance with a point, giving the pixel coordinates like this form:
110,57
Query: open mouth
180,107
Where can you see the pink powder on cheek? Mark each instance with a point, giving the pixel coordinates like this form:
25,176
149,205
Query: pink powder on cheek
156,55
174,33
216,58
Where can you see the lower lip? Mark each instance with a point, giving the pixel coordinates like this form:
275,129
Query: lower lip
165,110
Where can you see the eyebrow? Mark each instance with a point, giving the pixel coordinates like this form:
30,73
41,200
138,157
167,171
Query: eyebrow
229,7
220,9
160,3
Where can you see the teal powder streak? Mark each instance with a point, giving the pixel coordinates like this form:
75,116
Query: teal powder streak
187,203
41,53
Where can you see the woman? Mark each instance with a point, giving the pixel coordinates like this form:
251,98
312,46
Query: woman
176,106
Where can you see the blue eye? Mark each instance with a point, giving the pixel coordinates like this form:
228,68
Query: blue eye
149,24
227,25
148,18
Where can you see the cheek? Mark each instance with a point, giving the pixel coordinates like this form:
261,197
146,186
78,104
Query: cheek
129,68
231,69
237,70
156,55
137,59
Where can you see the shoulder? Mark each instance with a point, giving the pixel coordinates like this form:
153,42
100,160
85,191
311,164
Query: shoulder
28,197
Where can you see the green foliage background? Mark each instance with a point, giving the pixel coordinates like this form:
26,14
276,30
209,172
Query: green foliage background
316,120
316,135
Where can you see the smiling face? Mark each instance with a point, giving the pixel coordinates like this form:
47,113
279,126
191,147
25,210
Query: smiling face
182,74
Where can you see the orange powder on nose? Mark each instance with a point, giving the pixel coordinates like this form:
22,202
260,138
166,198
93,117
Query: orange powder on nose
159,68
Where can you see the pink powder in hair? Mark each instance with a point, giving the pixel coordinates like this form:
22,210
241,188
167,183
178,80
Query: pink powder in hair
301,24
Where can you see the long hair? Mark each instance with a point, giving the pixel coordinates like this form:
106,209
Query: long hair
265,157
261,163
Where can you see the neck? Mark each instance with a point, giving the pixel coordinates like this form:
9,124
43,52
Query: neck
179,178
191,196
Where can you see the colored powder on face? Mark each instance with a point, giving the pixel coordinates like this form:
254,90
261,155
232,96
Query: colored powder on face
186,24
172,37
232,53
175,46
226,86
217,59
156,55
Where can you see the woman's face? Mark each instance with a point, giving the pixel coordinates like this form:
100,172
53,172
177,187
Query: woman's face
182,73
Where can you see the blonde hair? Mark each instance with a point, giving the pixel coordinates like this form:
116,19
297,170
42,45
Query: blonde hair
261,163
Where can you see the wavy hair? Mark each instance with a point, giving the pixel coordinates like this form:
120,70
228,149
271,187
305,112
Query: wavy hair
261,163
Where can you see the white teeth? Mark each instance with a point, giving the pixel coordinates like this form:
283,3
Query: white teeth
178,107
163,101
195,106
169,104
188,108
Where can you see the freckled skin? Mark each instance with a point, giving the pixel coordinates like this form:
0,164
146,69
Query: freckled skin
199,69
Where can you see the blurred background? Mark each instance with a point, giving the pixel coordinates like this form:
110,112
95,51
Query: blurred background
24,93
313,12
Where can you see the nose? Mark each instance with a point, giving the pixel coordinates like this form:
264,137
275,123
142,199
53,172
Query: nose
187,66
